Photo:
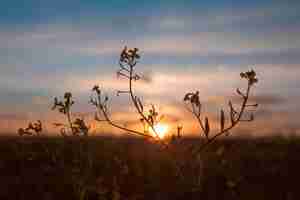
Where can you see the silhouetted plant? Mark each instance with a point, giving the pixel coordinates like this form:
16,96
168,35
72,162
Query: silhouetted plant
77,127
148,118
127,63
32,129
236,116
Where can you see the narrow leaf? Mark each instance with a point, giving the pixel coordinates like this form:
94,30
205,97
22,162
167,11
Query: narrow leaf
207,128
222,120
232,112
232,118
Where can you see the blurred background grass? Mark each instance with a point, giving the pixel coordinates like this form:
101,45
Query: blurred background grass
127,168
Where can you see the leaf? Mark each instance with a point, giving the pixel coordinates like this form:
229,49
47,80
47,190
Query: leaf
222,120
187,96
207,128
232,112
153,108
232,119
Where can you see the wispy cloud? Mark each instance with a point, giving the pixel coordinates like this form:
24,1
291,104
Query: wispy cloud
185,47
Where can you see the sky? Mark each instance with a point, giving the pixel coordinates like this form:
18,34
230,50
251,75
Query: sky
50,47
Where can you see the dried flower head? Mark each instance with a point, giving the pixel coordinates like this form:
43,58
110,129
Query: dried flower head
32,129
193,98
77,127
63,106
250,76
80,127
96,89
236,115
129,55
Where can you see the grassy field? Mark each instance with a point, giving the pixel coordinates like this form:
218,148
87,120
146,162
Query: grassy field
109,168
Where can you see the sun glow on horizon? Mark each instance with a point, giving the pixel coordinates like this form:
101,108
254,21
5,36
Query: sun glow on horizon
161,129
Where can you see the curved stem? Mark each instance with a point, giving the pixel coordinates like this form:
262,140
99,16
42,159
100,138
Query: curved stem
107,119
135,103
129,131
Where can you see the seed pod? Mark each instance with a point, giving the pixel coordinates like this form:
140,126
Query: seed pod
207,128
232,113
222,120
232,118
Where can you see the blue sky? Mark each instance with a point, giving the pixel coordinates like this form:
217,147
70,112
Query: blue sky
48,47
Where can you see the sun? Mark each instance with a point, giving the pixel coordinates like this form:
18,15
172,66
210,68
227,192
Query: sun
161,129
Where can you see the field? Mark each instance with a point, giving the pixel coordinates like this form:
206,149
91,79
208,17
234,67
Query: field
113,168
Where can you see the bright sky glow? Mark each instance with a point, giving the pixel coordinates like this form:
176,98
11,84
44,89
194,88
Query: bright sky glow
49,47
161,129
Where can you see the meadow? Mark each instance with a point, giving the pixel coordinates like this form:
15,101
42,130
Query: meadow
130,168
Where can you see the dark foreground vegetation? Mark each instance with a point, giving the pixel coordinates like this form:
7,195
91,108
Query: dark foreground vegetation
109,168
77,166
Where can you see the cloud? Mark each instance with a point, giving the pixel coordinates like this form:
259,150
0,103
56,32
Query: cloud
269,100
42,61
264,99
87,40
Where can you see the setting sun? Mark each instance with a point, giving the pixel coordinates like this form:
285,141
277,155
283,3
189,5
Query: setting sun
161,129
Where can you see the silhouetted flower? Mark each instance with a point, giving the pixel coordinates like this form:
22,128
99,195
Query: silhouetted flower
80,127
31,129
129,55
68,95
250,76
96,89
193,98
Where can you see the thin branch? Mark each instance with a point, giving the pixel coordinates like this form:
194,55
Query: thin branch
102,110
235,116
127,63
78,126
133,99
212,139
128,131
